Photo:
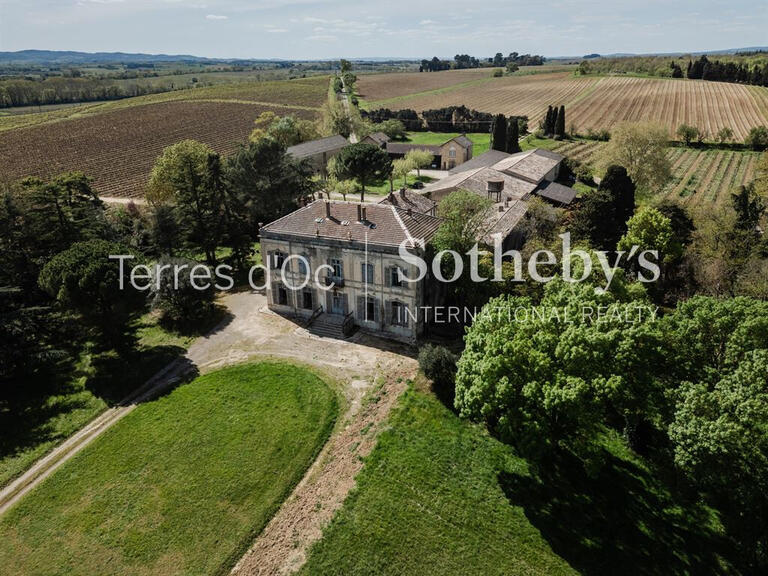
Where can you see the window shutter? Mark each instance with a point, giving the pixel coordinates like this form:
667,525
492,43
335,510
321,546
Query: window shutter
388,272
328,297
345,303
404,311
361,309
388,312
271,260
377,310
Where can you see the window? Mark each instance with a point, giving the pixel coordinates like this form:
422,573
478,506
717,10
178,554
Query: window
303,272
452,152
306,300
338,268
367,273
368,309
282,296
398,314
276,260
394,277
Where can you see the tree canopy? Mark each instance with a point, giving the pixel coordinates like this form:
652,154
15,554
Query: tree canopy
364,163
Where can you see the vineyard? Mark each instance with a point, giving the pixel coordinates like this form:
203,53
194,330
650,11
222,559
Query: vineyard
595,102
118,148
699,177
375,87
305,93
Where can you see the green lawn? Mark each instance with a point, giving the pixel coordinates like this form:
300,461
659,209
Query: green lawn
181,485
382,187
428,501
481,140
439,496
34,426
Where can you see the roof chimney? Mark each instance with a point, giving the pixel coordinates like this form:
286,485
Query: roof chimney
359,212
364,218
495,188
402,192
409,212
327,209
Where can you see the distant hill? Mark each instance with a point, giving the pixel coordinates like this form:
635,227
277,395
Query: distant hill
70,57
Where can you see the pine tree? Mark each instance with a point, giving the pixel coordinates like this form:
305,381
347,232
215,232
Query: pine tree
560,124
500,133
513,136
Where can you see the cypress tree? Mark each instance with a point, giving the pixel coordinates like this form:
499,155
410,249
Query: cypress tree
553,121
500,133
548,124
560,124
513,136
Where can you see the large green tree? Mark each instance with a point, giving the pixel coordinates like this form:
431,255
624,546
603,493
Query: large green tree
84,279
188,175
364,163
39,218
556,375
265,183
641,148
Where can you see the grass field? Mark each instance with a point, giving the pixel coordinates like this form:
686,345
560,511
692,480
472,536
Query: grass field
181,485
428,501
591,101
100,378
439,496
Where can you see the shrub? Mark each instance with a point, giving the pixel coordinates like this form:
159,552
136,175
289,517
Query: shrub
439,365
498,73
758,138
583,173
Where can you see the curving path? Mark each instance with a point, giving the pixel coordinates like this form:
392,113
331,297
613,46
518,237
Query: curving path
357,366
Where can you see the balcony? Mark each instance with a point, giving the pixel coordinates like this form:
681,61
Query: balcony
338,281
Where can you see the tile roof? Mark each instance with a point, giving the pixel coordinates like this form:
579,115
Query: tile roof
306,149
532,165
556,192
378,137
462,140
482,161
408,199
507,221
383,225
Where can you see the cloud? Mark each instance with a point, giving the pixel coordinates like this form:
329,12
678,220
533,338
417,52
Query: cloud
323,38
272,29
216,17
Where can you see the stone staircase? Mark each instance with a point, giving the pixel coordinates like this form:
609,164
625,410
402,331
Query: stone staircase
327,326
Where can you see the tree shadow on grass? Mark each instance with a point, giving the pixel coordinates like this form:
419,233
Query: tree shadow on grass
621,520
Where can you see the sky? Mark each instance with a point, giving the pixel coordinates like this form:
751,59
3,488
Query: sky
314,29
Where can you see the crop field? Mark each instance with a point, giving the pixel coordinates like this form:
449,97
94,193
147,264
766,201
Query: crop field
709,106
305,93
118,148
596,102
374,87
699,177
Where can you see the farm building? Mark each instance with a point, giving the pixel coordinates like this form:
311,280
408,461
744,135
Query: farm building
377,139
447,155
318,152
508,180
352,250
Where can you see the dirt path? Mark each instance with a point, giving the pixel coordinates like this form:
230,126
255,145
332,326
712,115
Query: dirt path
355,367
